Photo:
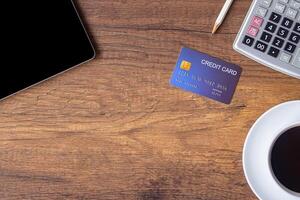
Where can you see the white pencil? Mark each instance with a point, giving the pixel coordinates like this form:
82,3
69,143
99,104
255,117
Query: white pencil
222,15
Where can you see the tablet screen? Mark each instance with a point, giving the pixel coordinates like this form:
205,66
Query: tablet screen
41,39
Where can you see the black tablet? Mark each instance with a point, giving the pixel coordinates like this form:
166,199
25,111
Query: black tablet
41,39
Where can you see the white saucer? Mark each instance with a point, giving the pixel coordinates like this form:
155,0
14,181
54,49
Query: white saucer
256,151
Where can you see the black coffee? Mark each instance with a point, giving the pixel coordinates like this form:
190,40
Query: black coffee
285,159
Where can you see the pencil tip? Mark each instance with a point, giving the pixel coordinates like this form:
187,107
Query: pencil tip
215,28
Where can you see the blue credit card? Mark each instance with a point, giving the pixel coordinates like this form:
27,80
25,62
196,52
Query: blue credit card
206,75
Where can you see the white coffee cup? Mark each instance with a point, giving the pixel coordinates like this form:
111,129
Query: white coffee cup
293,125
258,147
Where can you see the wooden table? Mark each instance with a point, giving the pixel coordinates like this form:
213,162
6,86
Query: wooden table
115,129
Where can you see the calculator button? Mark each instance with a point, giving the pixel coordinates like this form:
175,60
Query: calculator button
270,27
279,7
290,47
266,37
285,57
261,46
262,12
297,27
296,61
252,31
248,41
294,38
287,22
266,3
282,32
275,17
291,13
273,52
257,21
295,4
278,42
284,1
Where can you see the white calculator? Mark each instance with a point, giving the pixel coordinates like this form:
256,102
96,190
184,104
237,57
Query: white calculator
270,35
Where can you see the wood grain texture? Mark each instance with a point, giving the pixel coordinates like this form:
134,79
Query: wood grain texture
115,129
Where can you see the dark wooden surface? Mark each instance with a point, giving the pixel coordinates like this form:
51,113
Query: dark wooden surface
114,128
